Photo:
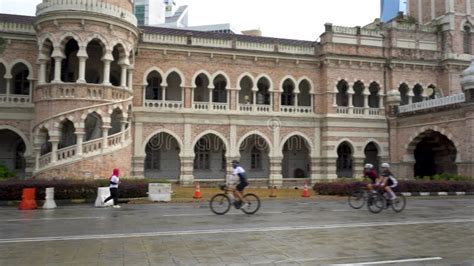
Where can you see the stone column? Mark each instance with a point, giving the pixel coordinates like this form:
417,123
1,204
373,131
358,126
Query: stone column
130,78
123,76
105,135
37,156
8,81
82,56
163,93
54,149
366,103
57,69
42,72
276,177
186,176
295,103
210,97
107,59
79,137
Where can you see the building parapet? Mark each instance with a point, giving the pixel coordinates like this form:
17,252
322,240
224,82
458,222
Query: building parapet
16,27
216,43
265,47
95,6
167,39
444,101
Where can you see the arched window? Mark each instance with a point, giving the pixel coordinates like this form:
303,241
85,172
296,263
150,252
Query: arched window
418,93
263,95
219,93
256,158
374,89
202,159
154,90
342,98
404,98
358,97
287,97
22,84
467,39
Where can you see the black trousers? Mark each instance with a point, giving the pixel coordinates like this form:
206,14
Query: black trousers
113,195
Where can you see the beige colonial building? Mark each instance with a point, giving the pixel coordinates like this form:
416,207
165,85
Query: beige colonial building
83,90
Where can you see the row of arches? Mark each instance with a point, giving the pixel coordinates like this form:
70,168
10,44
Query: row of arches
15,79
215,88
93,61
94,127
417,93
358,95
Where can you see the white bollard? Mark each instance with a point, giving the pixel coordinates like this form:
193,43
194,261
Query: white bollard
102,194
159,192
49,202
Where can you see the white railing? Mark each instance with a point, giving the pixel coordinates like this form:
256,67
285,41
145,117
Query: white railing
246,107
44,160
296,109
358,110
95,6
267,47
170,39
293,49
265,108
342,110
114,139
453,99
159,104
15,99
17,27
201,106
66,153
218,43
92,145
219,106
374,111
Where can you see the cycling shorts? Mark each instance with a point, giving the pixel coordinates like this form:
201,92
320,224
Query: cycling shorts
240,186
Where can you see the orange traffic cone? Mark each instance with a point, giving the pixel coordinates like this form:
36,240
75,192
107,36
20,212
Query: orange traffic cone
305,190
197,191
28,201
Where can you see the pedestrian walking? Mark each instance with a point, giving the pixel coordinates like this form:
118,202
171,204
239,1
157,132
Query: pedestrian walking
113,186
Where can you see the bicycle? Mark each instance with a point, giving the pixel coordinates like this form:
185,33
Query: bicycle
221,202
380,200
358,197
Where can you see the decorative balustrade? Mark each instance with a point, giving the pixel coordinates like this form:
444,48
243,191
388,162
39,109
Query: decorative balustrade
17,27
358,110
342,110
66,153
266,47
72,91
95,6
217,43
263,108
374,111
115,139
159,104
296,109
444,101
219,106
246,107
201,106
18,100
44,160
292,49
92,145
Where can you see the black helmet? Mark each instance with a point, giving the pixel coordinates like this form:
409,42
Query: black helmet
235,162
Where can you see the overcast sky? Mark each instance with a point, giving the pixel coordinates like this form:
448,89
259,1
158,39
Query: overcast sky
292,19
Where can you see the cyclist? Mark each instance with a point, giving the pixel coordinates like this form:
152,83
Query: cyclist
238,192
388,181
370,172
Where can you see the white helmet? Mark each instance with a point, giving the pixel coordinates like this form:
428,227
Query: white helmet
368,166
385,165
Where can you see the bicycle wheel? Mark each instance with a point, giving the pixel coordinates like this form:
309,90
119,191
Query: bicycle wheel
399,203
220,204
375,203
254,203
357,199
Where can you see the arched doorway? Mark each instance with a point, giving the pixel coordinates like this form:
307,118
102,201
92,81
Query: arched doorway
372,155
12,149
210,161
254,156
296,160
344,160
434,154
162,157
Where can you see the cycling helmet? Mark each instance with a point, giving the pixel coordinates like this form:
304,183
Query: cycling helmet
385,165
368,166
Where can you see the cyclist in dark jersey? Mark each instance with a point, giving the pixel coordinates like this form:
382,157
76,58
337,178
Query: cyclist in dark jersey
388,180
238,192
370,172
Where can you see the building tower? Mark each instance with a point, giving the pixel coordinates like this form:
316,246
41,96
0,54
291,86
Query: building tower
83,97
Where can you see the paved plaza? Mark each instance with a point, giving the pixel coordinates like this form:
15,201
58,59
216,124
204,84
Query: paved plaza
436,230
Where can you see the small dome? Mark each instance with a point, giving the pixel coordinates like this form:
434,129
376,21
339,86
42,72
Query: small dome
393,96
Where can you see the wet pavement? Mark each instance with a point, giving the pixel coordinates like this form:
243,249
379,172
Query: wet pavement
436,230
